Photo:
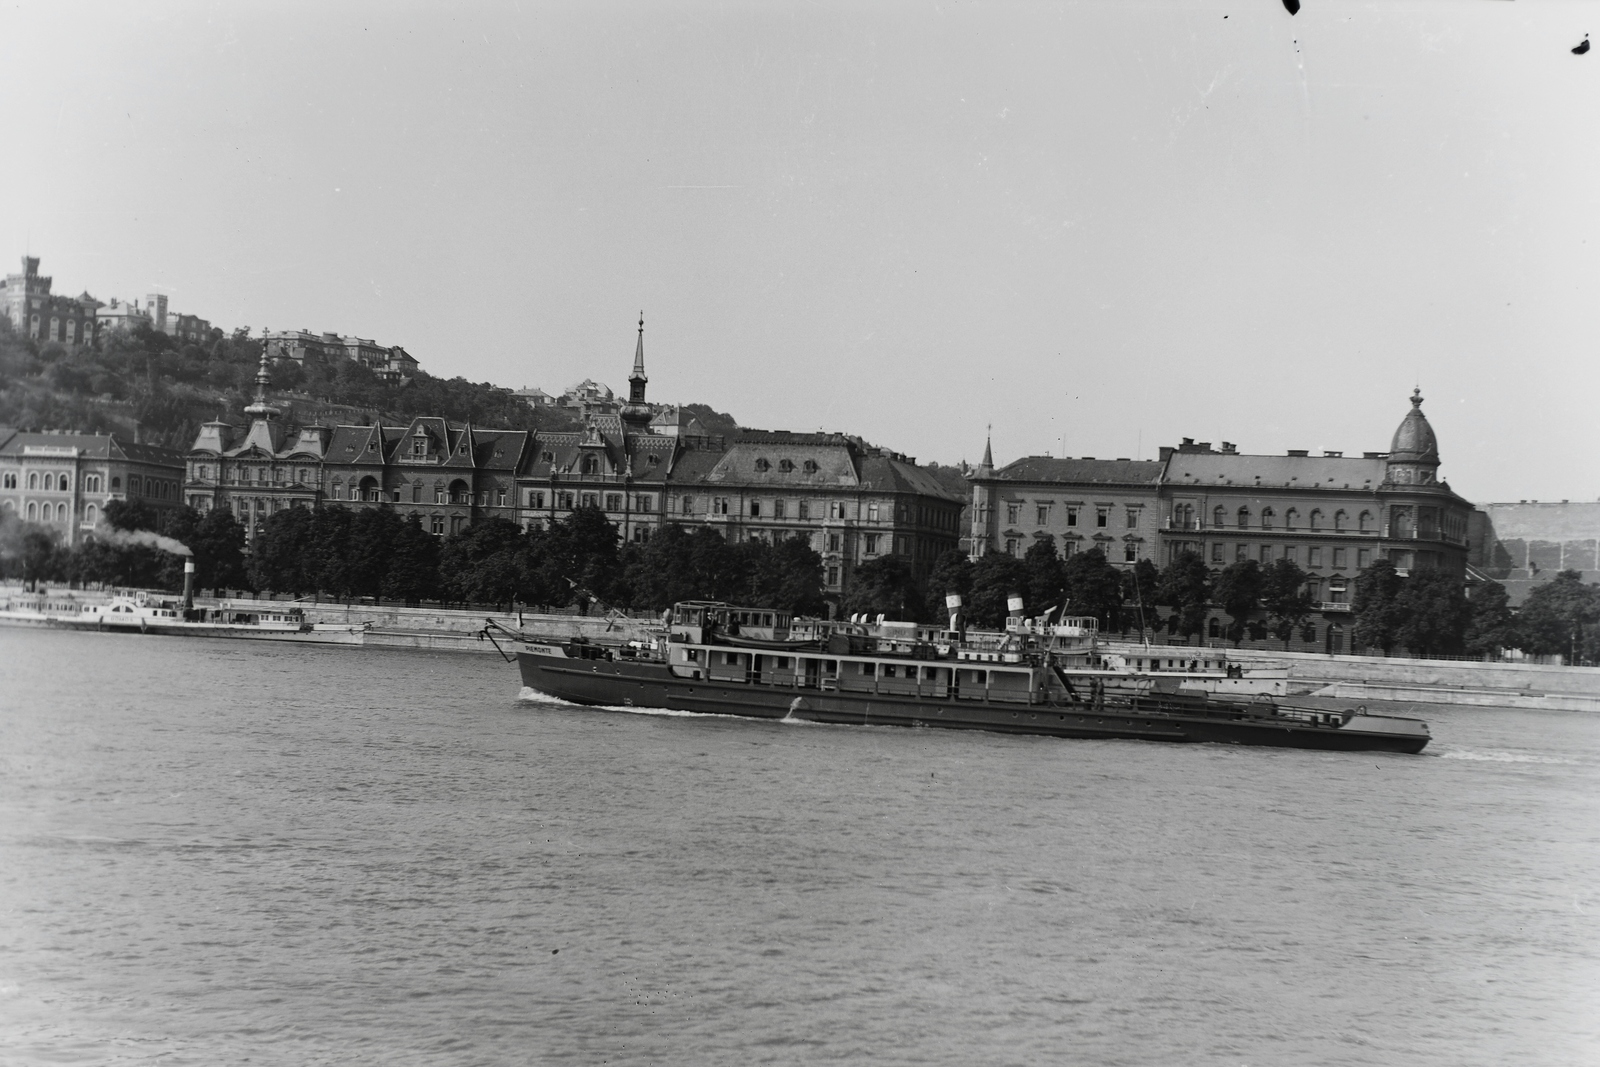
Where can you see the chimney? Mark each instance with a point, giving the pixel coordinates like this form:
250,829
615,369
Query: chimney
952,604
188,584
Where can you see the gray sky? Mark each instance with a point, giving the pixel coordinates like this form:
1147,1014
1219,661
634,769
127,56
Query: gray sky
1099,226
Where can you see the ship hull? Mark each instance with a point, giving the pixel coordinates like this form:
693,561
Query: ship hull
622,683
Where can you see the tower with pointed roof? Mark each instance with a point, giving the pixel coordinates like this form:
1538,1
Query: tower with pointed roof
983,500
636,413
1414,452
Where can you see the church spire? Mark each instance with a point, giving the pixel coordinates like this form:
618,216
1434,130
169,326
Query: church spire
262,409
987,466
636,413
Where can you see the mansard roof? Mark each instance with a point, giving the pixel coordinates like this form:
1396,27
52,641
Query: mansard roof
893,475
92,445
1087,469
1222,469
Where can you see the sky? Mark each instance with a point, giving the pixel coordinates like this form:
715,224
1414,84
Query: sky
1096,227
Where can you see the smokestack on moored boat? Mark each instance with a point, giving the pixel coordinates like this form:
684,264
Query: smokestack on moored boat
188,585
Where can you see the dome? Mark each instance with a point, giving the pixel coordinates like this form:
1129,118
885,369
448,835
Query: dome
1414,441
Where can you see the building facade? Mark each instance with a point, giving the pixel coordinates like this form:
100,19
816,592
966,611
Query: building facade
259,471
389,362
1331,515
63,481
26,300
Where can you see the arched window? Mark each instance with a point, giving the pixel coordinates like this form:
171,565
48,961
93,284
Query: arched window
8,505
1244,517
337,489
33,511
1219,516
1316,518
1289,518
1213,629
1364,523
10,480
33,481
135,484
369,489
91,514
116,483
591,464
1339,520
91,483
1266,518
461,493
61,513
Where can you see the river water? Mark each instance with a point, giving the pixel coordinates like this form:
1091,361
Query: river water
218,852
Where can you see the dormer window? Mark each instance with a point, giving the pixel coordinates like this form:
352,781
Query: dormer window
810,466
372,446
763,466
786,465
652,460
419,445
547,456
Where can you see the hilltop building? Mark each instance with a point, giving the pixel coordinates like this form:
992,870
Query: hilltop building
391,363
35,312
63,481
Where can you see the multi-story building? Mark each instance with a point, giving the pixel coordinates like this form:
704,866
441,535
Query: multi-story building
447,477
63,481
617,463
258,472
1108,504
1331,514
390,362
26,300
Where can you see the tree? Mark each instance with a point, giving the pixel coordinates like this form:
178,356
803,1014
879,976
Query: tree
996,577
1433,613
578,559
792,580
1284,596
281,557
130,515
1094,587
951,576
1139,586
371,543
884,586
1492,625
327,552
484,564
217,540
1238,589
1375,606
1186,588
413,571
1046,577
1555,615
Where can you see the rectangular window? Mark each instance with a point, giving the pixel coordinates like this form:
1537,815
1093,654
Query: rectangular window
565,501
688,505
1102,517
438,494
755,509
803,509
499,498
590,500
779,508
613,501
1341,558
535,500
1314,556
1216,552
1043,515
872,513
1011,546
1239,553
872,544
436,525
1072,516
719,505
1133,518
1013,514
1130,553
1363,558
833,576
647,502
1266,554
1290,553
833,542
835,509
416,494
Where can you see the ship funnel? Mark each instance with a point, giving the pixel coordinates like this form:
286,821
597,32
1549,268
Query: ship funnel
952,604
1014,605
188,584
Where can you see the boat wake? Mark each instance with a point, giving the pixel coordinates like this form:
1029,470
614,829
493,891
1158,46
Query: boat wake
1502,757
528,695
